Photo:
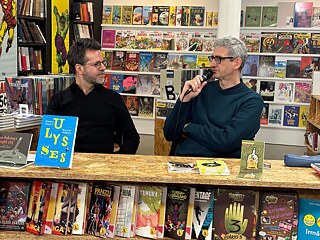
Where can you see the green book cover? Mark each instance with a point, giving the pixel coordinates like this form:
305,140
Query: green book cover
253,16
269,16
252,156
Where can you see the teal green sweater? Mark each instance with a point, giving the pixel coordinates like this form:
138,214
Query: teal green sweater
218,121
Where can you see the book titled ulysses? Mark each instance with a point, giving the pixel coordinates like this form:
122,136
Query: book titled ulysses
56,141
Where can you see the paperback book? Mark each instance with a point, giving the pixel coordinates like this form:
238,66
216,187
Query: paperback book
56,141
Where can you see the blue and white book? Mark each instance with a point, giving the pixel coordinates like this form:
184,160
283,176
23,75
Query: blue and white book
309,219
56,141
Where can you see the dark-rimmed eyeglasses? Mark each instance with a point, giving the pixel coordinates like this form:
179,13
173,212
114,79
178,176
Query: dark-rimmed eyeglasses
98,64
218,59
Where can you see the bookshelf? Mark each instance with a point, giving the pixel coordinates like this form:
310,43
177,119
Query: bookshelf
34,37
145,125
313,127
85,19
285,131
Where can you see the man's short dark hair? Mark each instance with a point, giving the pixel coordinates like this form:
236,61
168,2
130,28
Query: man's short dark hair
77,52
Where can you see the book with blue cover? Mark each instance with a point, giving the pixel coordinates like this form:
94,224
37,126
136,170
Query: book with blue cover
309,219
56,141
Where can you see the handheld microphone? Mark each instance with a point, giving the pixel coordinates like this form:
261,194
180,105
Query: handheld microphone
207,74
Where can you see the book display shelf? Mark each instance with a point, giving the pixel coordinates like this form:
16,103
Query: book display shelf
152,170
33,37
313,127
139,39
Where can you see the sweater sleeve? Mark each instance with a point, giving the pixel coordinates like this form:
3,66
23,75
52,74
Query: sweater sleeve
130,138
244,125
181,112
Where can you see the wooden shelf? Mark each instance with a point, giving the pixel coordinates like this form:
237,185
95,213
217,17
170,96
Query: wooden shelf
153,169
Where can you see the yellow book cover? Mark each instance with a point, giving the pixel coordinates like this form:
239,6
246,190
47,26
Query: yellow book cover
126,15
212,167
203,61
172,15
51,208
209,19
215,19
190,213
304,111
162,213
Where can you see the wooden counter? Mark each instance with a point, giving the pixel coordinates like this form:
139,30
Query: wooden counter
153,169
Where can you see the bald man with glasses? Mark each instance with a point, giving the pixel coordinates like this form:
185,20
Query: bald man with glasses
103,115
214,117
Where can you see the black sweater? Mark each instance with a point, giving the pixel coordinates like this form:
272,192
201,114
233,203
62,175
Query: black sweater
102,114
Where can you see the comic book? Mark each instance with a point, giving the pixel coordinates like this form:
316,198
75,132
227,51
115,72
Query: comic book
195,42
146,106
268,42
267,90
266,66
160,61
190,61
185,16
132,104
51,208
309,215
251,66
163,15
175,61
168,41
172,16
197,16
284,92
182,41
148,211
209,16
126,15
264,114
129,84
275,117
293,68
235,214
108,38
176,212
301,43
303,14
269,16
132,61
202,221
280,68
13,202
106,14
302,93
125,211
253,16
284,42
38,206
137,15
61,216
277,215
155,40
107,55
308,65
164,107
146,62
80,211
291,116
19,91
125,39
118,60
251,40
155,85
144,84
208,41
315,43
141,40
116,14
146,15
116,82
100,208
303,113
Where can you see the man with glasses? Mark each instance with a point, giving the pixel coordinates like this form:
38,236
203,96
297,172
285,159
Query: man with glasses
103,116
214,117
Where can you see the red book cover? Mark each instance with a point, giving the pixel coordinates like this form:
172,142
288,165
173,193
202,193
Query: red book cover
132,62
303,14
108,38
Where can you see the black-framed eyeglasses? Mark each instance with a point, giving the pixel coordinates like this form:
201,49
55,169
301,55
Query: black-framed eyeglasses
218,59
98,64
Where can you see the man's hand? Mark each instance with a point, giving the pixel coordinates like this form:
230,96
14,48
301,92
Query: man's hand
233,220
196,84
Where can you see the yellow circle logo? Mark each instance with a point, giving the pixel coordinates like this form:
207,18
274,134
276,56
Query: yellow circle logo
124,229
179,232
205,233
309,220
318,222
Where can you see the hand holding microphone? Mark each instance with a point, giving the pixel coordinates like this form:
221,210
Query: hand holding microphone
196,84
